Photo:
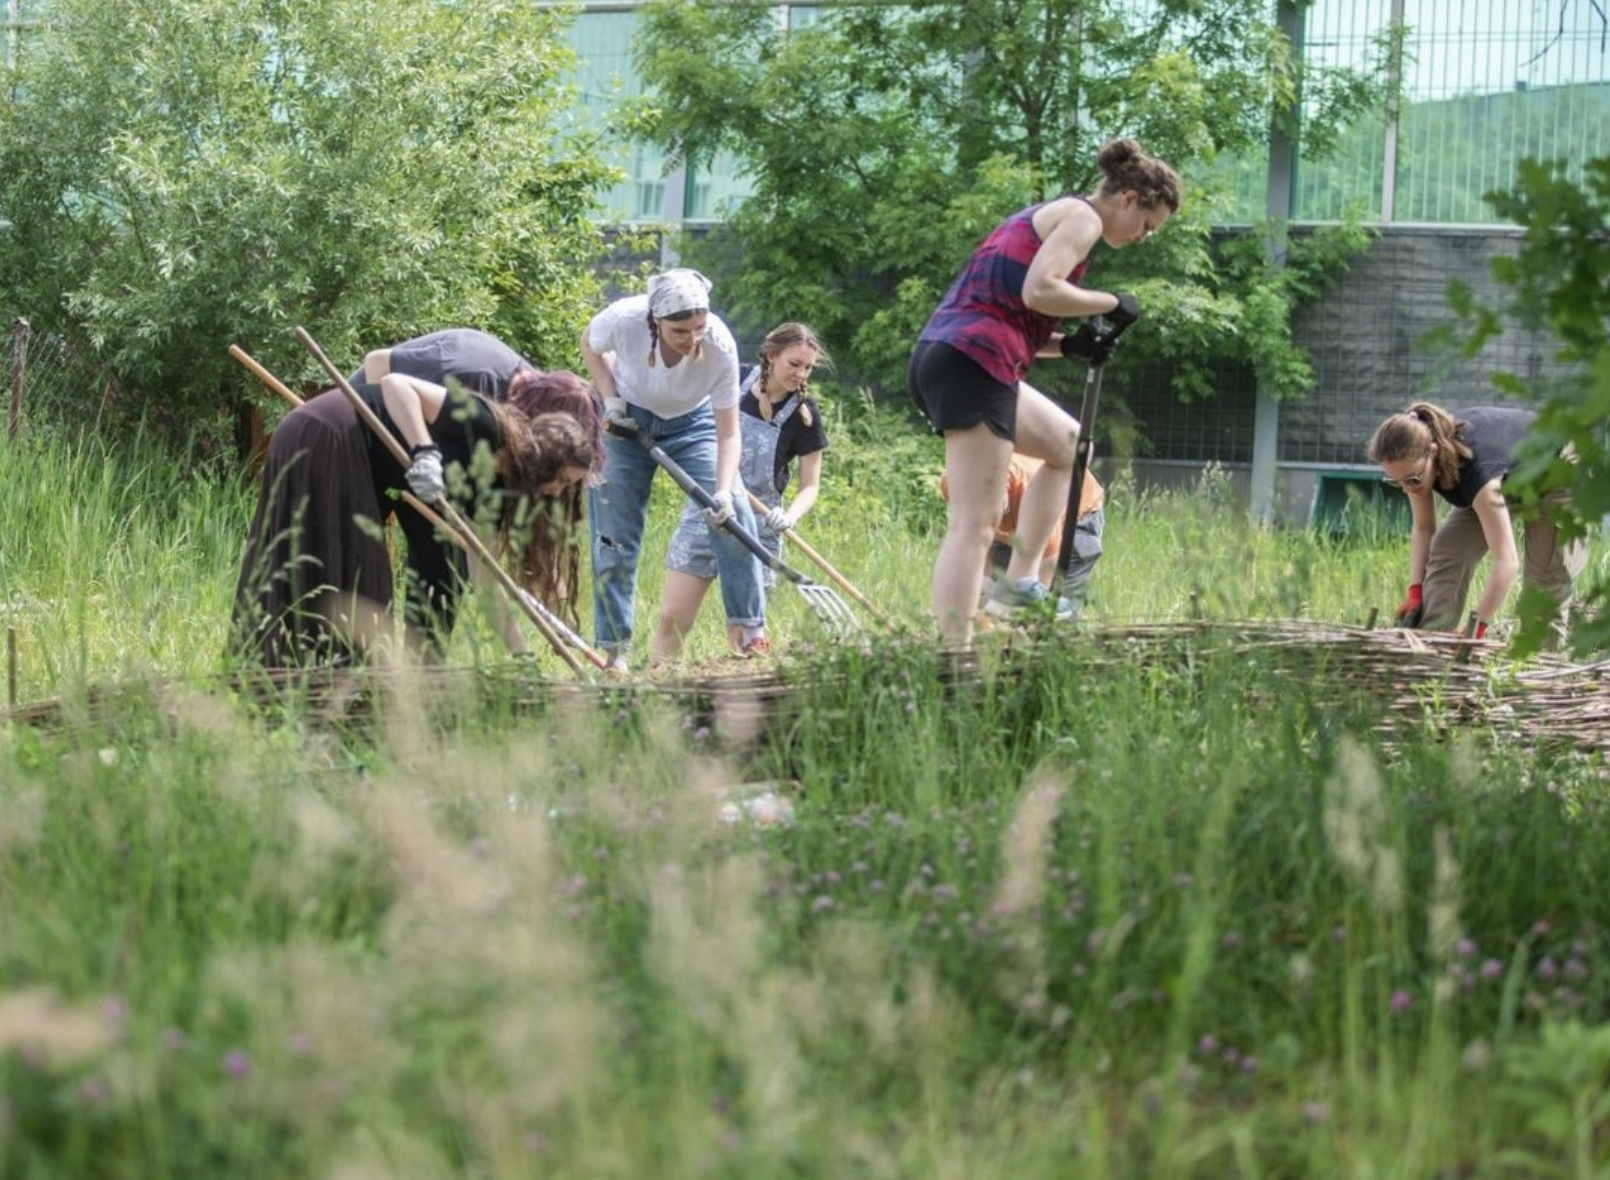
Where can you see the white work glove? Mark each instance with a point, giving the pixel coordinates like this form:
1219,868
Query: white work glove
425,478
778,521
720,512
617,416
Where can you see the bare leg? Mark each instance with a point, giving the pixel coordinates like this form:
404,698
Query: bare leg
1044,431
679,609
975,466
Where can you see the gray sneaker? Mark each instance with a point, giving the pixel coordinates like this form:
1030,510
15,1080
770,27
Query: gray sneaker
1010,599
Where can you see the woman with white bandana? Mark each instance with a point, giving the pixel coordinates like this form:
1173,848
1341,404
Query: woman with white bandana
667,368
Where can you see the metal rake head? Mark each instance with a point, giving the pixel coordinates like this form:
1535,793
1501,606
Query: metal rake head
829,607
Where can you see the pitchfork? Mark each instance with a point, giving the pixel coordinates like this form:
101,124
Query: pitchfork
823,600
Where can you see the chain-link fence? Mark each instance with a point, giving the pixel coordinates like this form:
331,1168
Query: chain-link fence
43,380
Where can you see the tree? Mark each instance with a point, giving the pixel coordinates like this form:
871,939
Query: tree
182,174
1559,282
885,140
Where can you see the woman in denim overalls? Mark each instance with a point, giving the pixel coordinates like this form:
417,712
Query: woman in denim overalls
779,422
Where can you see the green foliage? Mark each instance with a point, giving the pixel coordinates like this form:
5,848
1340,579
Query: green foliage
1138,908
185,174
884,141
1558,282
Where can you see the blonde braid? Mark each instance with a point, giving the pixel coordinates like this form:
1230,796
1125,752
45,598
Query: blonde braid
763,398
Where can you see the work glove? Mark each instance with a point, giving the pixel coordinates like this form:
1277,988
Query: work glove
1126,313
617,416
1087,344
778,521
1412,611
425,478
720,512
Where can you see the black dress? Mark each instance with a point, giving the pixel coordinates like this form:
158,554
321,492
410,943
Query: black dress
316,582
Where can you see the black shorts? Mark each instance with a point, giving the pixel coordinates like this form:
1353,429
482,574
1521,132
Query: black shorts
955,393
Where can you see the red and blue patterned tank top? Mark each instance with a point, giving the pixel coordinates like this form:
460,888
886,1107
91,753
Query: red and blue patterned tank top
983,315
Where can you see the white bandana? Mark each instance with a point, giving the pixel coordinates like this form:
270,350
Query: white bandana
678,290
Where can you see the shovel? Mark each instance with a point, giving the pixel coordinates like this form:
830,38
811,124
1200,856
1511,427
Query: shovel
1107,337
822,600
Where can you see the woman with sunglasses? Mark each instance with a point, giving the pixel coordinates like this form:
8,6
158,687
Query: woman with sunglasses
1465,456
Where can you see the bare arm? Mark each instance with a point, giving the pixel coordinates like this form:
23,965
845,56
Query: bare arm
810,484
599,369
1423,513
1499,530
376,365
413,405
1069,231
729,445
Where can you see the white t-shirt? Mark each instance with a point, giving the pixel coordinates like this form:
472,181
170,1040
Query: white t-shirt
622,329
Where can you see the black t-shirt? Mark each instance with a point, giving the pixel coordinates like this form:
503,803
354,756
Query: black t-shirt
469,437
794,438
1492,433
477,360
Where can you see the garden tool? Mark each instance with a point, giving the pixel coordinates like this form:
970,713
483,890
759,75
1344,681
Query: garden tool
565,631
1107,334
458,526
822,600
760,506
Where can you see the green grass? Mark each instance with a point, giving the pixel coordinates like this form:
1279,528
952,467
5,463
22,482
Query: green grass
1101,913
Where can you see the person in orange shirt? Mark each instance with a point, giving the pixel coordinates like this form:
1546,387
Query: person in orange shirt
1086,538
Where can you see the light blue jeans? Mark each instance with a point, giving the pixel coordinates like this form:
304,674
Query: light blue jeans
618,507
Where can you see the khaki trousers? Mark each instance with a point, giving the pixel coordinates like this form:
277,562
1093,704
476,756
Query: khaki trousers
1458,547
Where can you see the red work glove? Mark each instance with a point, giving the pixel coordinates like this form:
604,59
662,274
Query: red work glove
1412,611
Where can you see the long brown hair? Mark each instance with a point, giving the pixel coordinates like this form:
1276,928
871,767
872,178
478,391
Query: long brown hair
1409,435
539,447
785,336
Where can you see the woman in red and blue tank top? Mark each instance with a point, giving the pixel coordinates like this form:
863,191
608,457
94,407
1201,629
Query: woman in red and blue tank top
967,371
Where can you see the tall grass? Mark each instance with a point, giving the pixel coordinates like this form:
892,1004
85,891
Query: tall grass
1178,913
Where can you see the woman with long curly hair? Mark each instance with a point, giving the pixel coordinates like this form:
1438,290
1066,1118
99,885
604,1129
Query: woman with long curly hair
316,580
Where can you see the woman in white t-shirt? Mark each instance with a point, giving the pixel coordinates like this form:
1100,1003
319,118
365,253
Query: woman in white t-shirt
668,368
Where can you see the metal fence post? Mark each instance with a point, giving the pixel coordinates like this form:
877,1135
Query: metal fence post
19,363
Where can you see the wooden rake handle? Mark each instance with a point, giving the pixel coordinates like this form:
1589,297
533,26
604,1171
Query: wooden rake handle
458,524
275,385
761,508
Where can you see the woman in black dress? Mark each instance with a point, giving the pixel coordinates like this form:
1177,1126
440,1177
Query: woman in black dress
316,581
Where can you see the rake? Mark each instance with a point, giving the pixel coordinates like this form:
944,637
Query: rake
823,601
530,601
459,525
843,583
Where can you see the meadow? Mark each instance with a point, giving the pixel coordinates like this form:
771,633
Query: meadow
1097,917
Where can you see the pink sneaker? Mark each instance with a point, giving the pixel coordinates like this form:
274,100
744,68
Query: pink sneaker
758,646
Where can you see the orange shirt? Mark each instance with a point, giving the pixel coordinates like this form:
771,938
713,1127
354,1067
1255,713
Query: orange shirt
1018,473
